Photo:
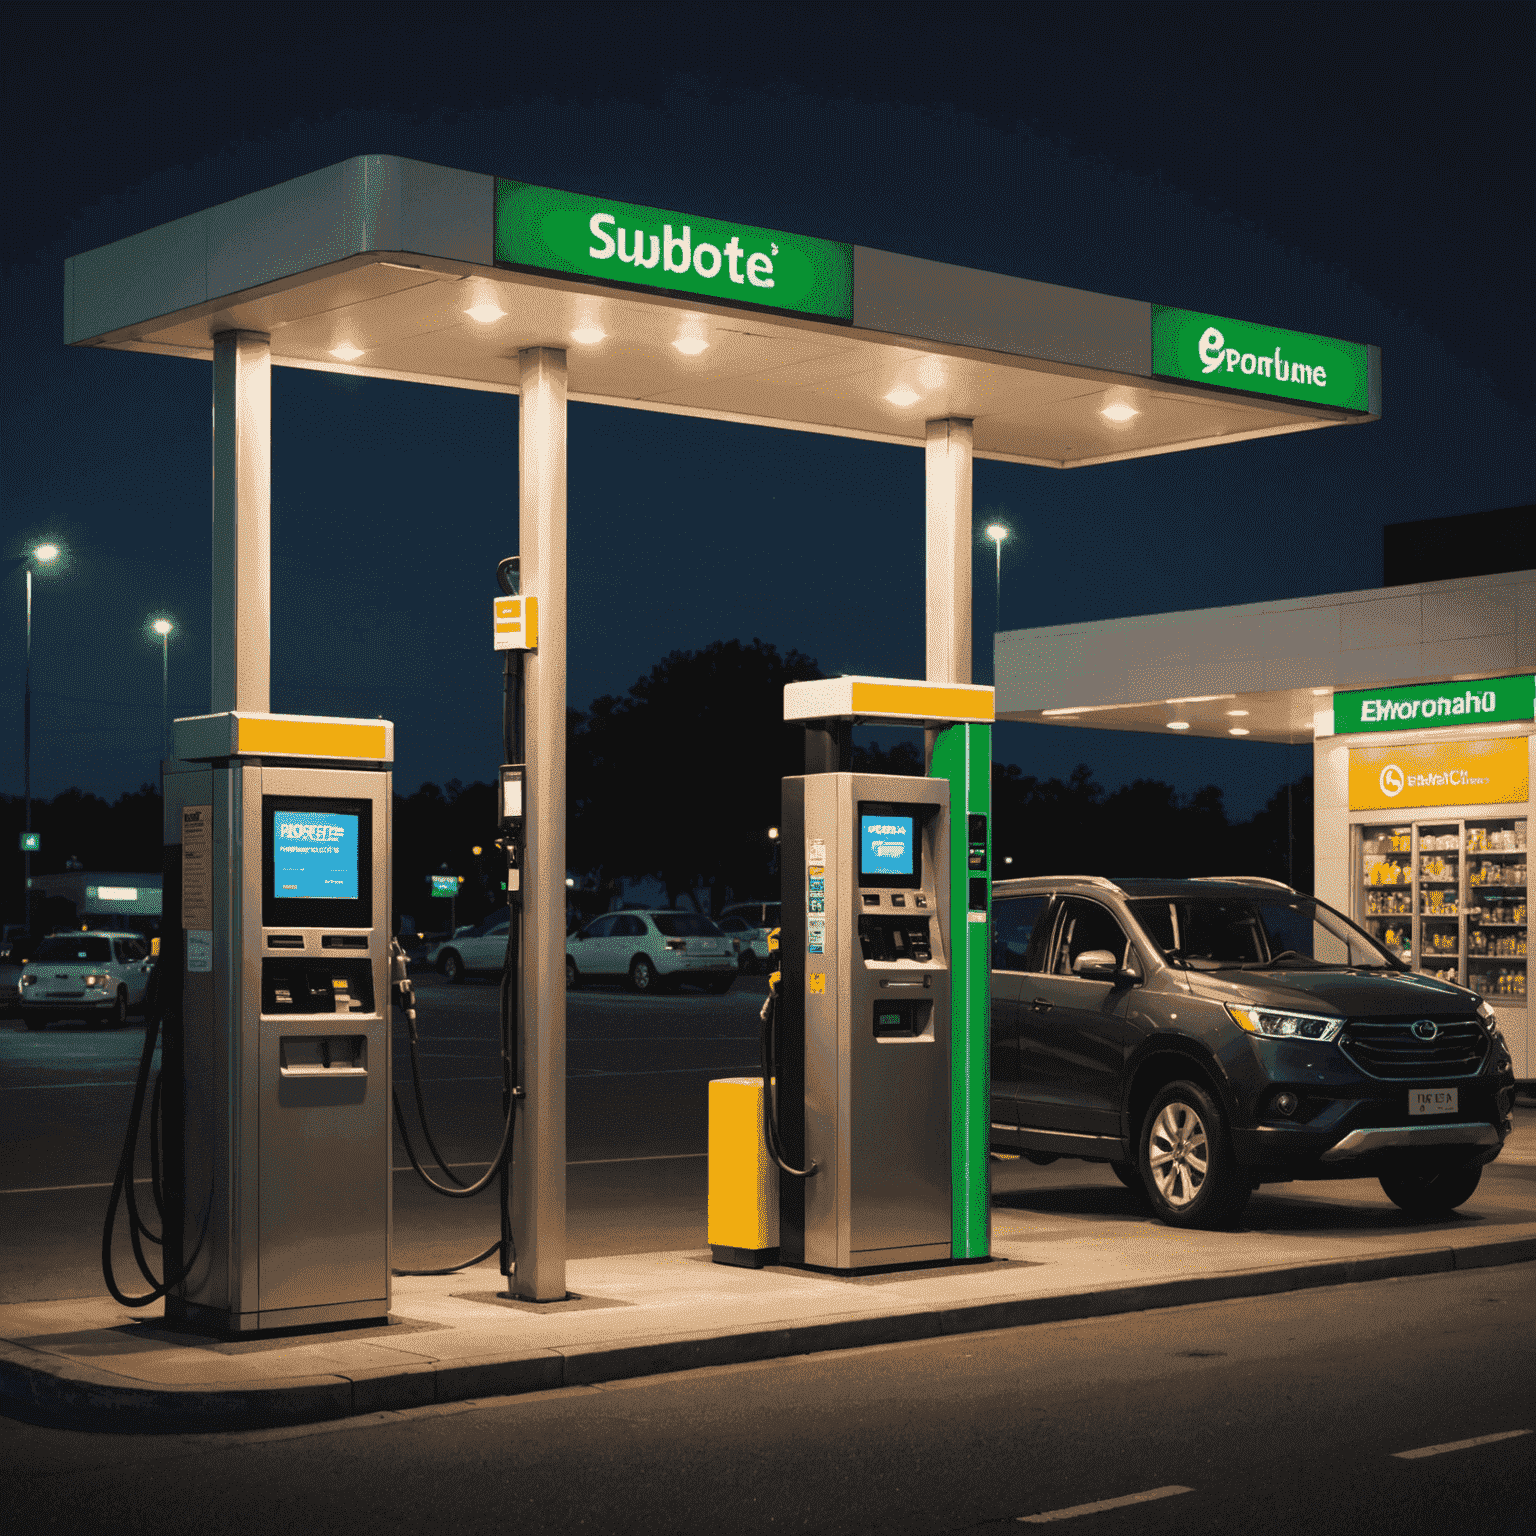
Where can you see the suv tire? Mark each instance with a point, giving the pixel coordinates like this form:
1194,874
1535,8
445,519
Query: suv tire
452,966
642,976
1184,1154
118,1017
572,975
1424,1196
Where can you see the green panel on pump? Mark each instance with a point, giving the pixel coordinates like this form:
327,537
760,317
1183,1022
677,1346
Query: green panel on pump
962,754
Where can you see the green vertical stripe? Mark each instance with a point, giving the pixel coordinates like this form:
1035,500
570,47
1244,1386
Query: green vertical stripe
962,754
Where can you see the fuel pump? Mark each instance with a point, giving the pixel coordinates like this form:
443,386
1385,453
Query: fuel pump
878,1037
269,1123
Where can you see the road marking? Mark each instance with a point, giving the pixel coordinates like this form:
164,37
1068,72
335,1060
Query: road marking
1459,1445
585,1162
1101,1504
126,1082
49,1189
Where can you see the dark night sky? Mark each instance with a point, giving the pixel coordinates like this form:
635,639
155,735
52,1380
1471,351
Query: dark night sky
1359,170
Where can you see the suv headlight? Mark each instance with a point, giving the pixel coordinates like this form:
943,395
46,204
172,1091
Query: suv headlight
1282,1024
1490,1021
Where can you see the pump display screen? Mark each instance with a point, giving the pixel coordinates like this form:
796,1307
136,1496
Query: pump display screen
316,861
314,857
885,844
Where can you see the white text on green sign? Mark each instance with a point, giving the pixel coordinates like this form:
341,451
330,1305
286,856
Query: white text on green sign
1486,701
627,243
1259,359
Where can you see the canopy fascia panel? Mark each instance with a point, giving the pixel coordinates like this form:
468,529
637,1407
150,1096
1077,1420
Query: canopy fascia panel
1266,670
385,255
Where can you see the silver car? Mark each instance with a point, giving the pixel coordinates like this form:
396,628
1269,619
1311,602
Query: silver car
93,975
750,923
651,951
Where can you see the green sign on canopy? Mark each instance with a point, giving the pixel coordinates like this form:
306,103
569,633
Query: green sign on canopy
1259,359
1483,702
626,243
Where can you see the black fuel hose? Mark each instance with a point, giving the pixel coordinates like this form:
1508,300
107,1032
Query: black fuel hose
122,1184
458,1190
770,1055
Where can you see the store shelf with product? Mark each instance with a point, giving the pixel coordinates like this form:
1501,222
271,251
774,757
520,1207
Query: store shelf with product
1450,899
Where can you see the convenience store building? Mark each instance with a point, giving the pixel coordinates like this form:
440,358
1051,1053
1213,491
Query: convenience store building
1418,702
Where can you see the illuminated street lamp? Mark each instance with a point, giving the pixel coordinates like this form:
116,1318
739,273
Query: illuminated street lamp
997,532
163,628
39,555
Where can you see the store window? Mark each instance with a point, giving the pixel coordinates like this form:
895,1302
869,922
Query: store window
1450,897
1014,920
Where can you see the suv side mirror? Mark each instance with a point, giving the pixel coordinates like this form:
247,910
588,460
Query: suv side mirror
1099,965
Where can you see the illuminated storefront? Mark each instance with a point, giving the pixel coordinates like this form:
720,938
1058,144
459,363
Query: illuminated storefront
1419,702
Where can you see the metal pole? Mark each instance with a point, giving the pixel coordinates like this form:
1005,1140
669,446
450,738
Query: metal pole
538,1167
242,521
997,612
948,465
165,696
26,771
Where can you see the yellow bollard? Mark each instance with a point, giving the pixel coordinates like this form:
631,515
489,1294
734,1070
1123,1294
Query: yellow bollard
743,1182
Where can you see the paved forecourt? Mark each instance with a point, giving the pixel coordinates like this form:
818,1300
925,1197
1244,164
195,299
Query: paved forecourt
1065,1246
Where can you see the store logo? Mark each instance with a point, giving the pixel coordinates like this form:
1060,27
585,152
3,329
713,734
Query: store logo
1425,1029
1377,711
1391,780
1214,351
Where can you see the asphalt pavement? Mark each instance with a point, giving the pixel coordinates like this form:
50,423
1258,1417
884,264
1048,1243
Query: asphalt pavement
1395,1408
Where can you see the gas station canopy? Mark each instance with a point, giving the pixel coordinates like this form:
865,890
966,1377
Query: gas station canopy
391,268
1265,671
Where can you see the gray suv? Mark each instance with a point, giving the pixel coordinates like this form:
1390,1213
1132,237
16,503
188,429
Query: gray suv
1204,1037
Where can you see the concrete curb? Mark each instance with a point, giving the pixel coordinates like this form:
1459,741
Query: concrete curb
63,1393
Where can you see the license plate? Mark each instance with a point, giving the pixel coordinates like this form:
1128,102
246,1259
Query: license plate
1432,1101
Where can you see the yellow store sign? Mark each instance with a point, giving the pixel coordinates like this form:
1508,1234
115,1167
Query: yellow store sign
1439,773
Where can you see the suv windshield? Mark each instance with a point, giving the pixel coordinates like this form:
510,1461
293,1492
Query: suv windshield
63,950
684,925
1253,933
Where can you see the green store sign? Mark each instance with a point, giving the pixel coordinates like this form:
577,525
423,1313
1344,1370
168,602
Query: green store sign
655,248
1486,702
1259,359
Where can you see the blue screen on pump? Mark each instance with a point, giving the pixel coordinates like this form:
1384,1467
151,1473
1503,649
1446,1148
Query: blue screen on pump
314,855
885,844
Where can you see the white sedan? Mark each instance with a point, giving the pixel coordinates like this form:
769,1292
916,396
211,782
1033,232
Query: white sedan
90,975
651,951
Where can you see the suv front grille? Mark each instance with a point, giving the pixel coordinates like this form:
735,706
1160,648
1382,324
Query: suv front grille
1389,1049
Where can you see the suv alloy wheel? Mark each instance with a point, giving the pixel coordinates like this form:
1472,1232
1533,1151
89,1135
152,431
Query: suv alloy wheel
572,975
642,975
1185,1156
119,1014
453,966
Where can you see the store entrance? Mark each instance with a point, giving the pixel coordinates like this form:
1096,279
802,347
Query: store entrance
1449,896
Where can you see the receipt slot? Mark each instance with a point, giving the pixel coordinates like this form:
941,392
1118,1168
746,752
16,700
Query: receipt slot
864,1053
278,900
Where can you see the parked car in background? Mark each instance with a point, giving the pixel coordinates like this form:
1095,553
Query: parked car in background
651,951
95,975
476,949
750,923
1204,1037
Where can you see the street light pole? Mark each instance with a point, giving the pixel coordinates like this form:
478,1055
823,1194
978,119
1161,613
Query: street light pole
163,628
44,554
997,533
